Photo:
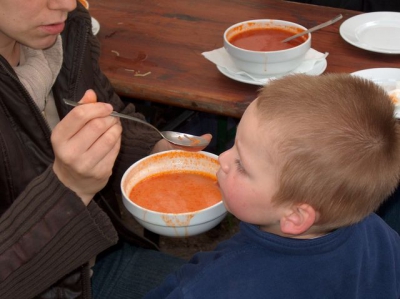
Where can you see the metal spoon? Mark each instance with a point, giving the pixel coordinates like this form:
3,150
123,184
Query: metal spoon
181,139
330,22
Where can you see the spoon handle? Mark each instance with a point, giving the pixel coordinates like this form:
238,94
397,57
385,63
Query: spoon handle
330,22
120,115
116,114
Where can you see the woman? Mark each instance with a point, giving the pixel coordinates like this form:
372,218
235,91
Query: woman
61,168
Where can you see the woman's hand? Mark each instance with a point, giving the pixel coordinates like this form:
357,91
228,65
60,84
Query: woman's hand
164,145
86,143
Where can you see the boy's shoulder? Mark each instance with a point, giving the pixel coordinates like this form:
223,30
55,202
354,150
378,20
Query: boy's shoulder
378,229
267,262
374,222
251,246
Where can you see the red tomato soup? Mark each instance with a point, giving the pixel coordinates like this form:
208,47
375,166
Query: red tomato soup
265,39
177,192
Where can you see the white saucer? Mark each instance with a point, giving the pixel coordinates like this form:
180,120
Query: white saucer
95,26
376,31
318,69
387,78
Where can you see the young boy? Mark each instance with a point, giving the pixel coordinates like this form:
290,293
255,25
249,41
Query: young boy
313,158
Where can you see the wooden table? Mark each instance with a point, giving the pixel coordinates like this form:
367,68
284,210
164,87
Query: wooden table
151,50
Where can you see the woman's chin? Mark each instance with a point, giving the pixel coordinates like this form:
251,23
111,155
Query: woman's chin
43,43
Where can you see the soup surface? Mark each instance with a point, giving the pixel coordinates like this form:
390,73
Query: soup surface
177,192
265,39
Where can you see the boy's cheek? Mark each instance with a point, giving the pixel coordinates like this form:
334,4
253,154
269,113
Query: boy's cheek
226,197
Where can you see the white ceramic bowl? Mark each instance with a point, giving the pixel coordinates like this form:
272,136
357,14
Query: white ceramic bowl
170,224
388,79
266,63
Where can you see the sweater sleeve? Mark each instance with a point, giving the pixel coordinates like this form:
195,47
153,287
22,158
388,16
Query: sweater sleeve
47,233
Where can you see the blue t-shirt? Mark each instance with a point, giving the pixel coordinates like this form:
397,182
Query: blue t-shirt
360,261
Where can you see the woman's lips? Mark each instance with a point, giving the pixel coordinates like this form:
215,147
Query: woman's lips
54,28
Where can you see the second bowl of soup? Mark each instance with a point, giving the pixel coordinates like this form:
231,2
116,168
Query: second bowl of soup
256,46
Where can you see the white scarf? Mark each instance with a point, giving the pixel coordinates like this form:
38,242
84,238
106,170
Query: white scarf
38,70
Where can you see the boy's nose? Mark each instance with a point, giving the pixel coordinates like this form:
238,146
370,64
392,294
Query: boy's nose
222,159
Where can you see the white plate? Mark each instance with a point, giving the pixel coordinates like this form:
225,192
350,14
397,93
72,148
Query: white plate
318,69
388,78
375,31
95,26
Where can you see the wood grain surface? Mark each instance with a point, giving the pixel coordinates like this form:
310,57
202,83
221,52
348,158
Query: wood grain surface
151,50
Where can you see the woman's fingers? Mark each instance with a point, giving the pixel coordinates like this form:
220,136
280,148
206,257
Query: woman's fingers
104,149
89,97
78,117
86,143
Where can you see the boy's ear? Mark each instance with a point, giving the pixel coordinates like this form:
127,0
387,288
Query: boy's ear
298,219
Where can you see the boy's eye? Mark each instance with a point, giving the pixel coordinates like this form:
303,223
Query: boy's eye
239,166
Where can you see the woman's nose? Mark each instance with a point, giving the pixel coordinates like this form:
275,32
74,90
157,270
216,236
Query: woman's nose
64,5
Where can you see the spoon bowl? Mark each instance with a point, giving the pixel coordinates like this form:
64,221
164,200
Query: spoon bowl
177,138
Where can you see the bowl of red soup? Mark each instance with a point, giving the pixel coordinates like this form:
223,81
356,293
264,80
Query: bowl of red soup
256,46
174,193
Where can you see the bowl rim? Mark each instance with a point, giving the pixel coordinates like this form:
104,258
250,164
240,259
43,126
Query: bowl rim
126,173
264,21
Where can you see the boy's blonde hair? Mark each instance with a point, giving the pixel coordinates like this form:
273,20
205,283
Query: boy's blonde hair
338,144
